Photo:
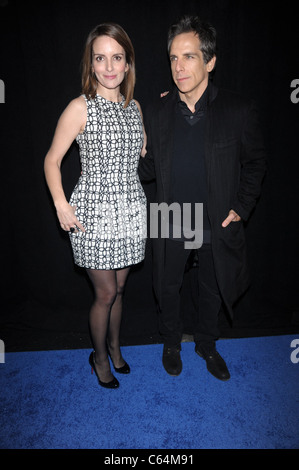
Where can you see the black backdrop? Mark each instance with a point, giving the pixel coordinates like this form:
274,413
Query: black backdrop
45,299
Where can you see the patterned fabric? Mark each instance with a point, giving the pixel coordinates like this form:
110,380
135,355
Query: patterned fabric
109,199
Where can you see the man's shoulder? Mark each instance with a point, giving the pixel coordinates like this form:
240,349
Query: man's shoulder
232,98
229,104
161,100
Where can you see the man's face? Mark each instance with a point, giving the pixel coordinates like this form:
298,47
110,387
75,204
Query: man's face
189,72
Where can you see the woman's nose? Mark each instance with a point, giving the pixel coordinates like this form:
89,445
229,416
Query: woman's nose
109,64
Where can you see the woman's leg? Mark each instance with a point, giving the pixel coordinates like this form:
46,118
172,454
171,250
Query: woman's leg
115,318
105,290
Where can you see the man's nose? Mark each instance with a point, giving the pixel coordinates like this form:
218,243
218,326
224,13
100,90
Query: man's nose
178,65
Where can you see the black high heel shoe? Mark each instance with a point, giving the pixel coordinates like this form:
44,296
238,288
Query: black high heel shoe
114,383
125,369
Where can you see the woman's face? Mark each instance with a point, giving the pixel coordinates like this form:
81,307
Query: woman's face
108,64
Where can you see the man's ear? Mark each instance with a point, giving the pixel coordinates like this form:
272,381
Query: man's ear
211,64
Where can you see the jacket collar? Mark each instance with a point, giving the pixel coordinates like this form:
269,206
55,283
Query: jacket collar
171,98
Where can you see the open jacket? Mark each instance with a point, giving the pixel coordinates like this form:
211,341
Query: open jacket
235,166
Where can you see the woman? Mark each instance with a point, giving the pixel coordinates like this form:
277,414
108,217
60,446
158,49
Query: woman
106,214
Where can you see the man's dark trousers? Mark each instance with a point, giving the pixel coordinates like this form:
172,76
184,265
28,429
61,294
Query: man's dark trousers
209,300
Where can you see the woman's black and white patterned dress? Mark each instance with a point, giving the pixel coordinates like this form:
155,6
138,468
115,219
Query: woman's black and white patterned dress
109,199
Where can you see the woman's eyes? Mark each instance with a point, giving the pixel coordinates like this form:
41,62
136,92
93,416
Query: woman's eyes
117,58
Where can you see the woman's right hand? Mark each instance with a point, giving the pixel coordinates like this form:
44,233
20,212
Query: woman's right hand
67,218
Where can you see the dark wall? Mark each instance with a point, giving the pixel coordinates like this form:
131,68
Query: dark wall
43,294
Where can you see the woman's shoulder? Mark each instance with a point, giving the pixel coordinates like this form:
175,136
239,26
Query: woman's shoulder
79,103
75,111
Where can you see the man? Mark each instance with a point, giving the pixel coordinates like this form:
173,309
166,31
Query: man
204,146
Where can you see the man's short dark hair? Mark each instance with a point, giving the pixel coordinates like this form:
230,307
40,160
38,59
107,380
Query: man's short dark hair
206,34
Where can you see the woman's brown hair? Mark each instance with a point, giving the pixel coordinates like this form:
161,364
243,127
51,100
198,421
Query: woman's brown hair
89,82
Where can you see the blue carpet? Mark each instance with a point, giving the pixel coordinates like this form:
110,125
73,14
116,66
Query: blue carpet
50,400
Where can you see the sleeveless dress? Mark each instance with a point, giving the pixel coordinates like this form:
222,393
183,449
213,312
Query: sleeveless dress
109,199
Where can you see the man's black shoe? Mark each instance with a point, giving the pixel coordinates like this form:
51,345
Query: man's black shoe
172,360
215,363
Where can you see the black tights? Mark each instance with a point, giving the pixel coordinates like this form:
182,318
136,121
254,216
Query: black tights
105,318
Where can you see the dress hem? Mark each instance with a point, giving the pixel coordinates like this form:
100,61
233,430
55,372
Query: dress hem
109,269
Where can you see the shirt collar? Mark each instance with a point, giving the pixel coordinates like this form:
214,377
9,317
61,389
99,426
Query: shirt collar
200,105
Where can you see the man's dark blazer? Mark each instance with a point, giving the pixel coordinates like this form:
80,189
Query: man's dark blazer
235,166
